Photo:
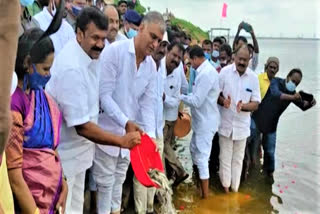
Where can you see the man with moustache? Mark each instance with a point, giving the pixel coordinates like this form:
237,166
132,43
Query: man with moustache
143,196
113,25
240,95
127,95
173,70
74,86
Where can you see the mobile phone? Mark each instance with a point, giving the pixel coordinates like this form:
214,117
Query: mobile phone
246,27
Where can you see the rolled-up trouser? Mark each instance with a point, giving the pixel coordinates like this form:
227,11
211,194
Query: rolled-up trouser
169,153
231,160
269,149
143,196
75,196
254,141
109,174
200,148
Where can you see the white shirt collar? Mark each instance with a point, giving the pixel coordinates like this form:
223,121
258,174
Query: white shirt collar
131,47
84,56
234,69
202,66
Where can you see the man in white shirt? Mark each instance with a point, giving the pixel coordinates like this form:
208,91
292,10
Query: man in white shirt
174,76
240,95
205,114
75,88
113,22
127,96
65,32
143,196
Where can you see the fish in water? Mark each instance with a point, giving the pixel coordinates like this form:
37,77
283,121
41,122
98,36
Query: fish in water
164,193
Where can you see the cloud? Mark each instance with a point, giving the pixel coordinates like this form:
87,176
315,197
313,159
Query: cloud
269,17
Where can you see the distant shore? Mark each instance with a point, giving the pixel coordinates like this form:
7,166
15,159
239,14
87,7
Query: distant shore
284,38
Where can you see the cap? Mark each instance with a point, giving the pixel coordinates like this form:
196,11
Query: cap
133,17
273,59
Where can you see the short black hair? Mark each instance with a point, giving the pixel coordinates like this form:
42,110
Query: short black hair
242,38
196,51
223,39
176,44
218,39
91,14
207,42
251,46
227,48
293,71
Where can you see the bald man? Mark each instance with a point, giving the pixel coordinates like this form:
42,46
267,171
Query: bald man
113,29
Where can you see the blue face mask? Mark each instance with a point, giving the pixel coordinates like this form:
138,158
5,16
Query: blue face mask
35,80
291,86
207,55
26,3
76,10
131,33
215,54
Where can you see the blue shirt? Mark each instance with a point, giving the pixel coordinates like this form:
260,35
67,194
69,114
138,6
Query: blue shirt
271,107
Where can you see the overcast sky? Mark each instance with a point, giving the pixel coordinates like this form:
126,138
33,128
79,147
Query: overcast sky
290,18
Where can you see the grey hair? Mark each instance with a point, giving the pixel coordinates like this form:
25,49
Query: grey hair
155,18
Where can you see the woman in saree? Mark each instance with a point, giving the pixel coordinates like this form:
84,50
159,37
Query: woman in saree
34,167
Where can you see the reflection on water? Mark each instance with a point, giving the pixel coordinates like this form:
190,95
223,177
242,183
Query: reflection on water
296,187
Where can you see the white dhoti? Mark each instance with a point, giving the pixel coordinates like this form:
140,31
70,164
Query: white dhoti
231,159
200,148
109,173
75,196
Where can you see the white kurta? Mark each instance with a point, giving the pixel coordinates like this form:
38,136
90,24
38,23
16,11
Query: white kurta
74,87
126,93
235,127
205,115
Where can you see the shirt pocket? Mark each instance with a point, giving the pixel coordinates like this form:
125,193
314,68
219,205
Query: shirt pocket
246,94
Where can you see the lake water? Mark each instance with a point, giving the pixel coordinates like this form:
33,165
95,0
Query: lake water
296,187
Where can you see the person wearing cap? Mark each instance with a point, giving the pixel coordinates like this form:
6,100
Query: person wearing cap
131,22
143,196
127,99
205,114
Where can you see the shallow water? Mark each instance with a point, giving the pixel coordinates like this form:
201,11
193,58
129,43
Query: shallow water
296,187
